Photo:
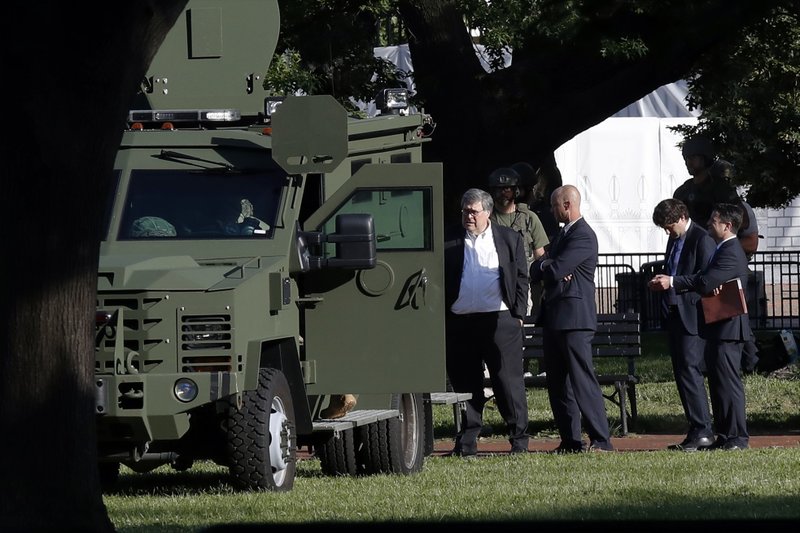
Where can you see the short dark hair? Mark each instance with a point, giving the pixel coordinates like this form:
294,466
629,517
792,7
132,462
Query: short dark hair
729,214
669,211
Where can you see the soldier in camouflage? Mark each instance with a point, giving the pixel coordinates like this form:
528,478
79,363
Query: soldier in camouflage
504,186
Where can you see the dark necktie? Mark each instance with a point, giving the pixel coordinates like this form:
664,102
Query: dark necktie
560,237
674,256
710,259
672,269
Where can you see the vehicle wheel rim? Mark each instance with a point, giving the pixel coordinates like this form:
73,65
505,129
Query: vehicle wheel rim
280,442
409,434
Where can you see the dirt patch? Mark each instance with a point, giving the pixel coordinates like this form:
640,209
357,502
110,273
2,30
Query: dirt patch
633,442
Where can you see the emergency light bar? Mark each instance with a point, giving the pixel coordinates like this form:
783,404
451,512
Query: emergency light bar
184,115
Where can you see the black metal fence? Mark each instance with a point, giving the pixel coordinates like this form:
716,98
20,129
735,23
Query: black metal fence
773,288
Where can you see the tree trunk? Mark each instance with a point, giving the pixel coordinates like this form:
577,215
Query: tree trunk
72,72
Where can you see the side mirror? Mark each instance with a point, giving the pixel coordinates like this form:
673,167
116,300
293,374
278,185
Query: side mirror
355,244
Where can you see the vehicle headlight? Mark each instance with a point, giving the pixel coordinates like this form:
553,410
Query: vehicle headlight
185,390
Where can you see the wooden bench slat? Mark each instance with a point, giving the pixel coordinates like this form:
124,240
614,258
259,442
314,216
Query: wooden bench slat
617,351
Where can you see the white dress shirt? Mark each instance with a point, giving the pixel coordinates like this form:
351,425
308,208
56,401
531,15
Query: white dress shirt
480,290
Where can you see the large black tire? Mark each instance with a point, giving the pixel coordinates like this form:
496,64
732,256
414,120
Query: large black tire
262,444
372,449
337,454
406,434
428,425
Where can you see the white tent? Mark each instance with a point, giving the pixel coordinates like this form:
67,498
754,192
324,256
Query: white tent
623,168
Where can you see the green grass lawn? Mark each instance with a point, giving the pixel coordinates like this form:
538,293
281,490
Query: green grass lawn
753,485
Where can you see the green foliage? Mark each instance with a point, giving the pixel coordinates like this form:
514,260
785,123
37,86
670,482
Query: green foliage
749,95
326,47
286,76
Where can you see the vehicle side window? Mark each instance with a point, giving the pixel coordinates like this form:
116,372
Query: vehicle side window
402,216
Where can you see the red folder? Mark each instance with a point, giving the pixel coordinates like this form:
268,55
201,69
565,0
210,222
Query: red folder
730,302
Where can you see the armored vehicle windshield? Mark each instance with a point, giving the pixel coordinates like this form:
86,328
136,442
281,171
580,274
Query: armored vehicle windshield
208,204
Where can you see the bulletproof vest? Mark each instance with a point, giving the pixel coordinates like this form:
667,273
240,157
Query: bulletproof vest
521,222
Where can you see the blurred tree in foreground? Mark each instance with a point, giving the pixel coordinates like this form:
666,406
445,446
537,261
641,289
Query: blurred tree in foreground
67,123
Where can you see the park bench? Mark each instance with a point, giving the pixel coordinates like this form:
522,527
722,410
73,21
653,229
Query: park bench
617,336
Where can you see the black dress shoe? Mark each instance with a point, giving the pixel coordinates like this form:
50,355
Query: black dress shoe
462,455
733,445
564,449
600,447
517,450
693,444
459,451
718,444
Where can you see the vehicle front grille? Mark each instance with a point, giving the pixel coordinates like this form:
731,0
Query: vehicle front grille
206,343
138,329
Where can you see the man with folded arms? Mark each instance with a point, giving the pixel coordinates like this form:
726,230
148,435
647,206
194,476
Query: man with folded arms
725,338
568,313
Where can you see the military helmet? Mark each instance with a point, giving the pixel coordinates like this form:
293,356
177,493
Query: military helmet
699,146
504,177
526,173
722,169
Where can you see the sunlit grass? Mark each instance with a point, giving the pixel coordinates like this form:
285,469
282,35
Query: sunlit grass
661,485
754,485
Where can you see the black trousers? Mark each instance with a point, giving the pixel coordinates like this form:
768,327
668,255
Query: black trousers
724,360
575,395
494,339
687,352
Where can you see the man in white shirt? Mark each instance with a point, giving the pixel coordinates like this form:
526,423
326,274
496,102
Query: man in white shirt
486,296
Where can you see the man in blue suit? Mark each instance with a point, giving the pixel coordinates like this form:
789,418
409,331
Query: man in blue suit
725,338
486,298
689,249
568,314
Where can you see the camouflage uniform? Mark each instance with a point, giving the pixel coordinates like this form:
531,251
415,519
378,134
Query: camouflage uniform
526,223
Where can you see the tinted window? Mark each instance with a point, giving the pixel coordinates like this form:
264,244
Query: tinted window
200,205
402,216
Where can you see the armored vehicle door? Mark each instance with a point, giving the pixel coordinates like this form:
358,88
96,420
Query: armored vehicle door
382,329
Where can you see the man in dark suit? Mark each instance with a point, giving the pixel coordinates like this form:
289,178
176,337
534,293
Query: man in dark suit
725,338
689,249
486,297
568,314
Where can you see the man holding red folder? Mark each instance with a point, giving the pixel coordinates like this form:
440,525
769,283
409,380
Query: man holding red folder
725,338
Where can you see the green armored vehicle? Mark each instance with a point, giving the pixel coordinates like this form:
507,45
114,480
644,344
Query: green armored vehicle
262,256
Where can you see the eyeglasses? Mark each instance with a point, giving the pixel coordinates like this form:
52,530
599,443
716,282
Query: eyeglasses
471,213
